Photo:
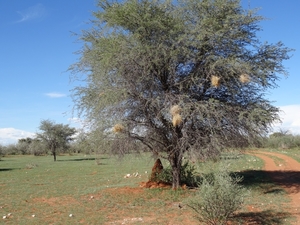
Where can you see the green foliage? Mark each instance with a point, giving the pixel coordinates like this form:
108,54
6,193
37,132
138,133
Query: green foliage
23,148
188,175
218,197
23,145
11,149
38,148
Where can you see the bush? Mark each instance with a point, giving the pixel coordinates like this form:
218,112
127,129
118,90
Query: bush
11,149
23,148
285,141
1,151
187,174
218,197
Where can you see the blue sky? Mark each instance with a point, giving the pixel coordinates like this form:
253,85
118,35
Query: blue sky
37,47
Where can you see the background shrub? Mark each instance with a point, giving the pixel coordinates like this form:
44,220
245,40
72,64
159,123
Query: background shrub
10,149
187,173
282,141
37,148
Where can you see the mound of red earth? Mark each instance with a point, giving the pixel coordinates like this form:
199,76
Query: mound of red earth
154,181
155,184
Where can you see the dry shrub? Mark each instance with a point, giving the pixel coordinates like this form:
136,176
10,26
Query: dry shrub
118,128
215,81
175,110
177,120
244,78
31,165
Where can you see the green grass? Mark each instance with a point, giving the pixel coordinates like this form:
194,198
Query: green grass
53,190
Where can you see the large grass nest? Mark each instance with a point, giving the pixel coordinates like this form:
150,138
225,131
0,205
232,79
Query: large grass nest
118,128
176,117
244,78
177,120
175,109
215,81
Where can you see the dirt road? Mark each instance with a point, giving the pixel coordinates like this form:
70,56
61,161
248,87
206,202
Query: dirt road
286,173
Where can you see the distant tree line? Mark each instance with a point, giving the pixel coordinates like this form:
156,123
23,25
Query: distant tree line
282,139
66,142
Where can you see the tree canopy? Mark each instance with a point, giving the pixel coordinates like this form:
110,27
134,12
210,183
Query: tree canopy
180,77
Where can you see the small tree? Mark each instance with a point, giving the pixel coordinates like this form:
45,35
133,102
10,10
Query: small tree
280,133
55,136
185,76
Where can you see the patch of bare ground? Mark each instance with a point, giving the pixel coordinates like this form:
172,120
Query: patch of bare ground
53,201
153,212
287,175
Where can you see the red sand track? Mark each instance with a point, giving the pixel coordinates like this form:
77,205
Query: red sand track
285,174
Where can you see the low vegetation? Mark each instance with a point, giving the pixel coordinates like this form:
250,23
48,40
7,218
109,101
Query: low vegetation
282,140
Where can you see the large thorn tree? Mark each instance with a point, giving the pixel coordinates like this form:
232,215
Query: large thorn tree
180,77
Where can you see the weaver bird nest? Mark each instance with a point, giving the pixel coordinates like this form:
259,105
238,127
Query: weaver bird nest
245,78
118,128
215,81
175,112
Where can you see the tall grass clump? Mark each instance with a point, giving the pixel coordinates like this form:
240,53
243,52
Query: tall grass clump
31,165
218,197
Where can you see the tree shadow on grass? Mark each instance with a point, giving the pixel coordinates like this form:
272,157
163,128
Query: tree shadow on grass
267,217
8,169
268,181
81,159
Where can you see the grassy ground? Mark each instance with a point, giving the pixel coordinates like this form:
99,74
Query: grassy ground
98,193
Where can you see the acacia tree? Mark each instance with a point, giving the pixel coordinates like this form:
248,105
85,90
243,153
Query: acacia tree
188,76
55,136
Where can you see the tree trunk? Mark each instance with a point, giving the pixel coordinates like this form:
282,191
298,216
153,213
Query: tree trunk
175,159
54,155
175,162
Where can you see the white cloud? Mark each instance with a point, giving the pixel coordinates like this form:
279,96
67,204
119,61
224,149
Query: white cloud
55,95
76,121
31,13
12,135
79,123
290,117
